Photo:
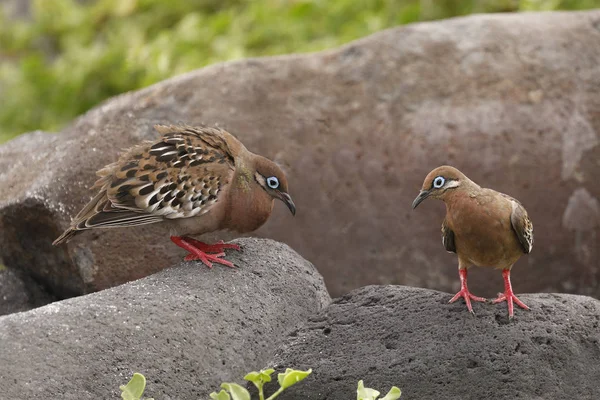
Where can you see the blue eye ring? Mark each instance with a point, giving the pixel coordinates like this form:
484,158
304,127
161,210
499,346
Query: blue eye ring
438,182
273,182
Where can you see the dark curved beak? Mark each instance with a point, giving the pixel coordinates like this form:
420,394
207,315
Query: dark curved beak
287,199
423,194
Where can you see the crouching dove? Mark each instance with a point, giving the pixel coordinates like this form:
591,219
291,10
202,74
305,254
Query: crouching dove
196,180
482,226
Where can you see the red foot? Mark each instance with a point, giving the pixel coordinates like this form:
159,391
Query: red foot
198,250
464,292
211,248
508,295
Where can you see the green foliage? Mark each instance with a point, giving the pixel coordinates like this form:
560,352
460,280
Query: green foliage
233,391
71,54
363,393
134,388
259,378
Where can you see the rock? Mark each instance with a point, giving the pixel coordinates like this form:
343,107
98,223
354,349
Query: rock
16,295
413,339
186,329
16,8
39,196
509,99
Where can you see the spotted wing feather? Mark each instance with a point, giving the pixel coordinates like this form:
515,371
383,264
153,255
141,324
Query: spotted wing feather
179,176
448,238
521,224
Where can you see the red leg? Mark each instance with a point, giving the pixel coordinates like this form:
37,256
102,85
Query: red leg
199,253
464,291
508,295
211,248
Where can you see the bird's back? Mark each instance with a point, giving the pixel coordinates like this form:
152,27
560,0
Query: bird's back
178,178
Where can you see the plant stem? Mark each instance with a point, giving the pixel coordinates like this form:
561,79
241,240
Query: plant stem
261,395
277,393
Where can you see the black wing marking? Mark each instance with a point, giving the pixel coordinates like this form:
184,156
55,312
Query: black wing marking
448,238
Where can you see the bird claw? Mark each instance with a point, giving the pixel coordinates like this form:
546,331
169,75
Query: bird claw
200,251
510,297
468,296
212,248
207,258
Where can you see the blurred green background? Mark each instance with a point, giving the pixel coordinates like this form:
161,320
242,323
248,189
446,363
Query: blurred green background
59,58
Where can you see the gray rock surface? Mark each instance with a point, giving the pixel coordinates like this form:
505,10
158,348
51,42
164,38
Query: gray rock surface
413,339
510,100
186,329
17,295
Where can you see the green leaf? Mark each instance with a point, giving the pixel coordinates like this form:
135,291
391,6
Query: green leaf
134,388
259,378
291,377
393,394
265,374
363,393
237,392
222,395
252,376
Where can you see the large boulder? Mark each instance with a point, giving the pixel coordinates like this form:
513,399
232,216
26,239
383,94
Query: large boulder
186,328
510,100
413,339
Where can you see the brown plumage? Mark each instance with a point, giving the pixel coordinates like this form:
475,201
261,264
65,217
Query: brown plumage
196,180
482,226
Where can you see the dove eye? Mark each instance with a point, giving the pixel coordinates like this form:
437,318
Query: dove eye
273,182
438,182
